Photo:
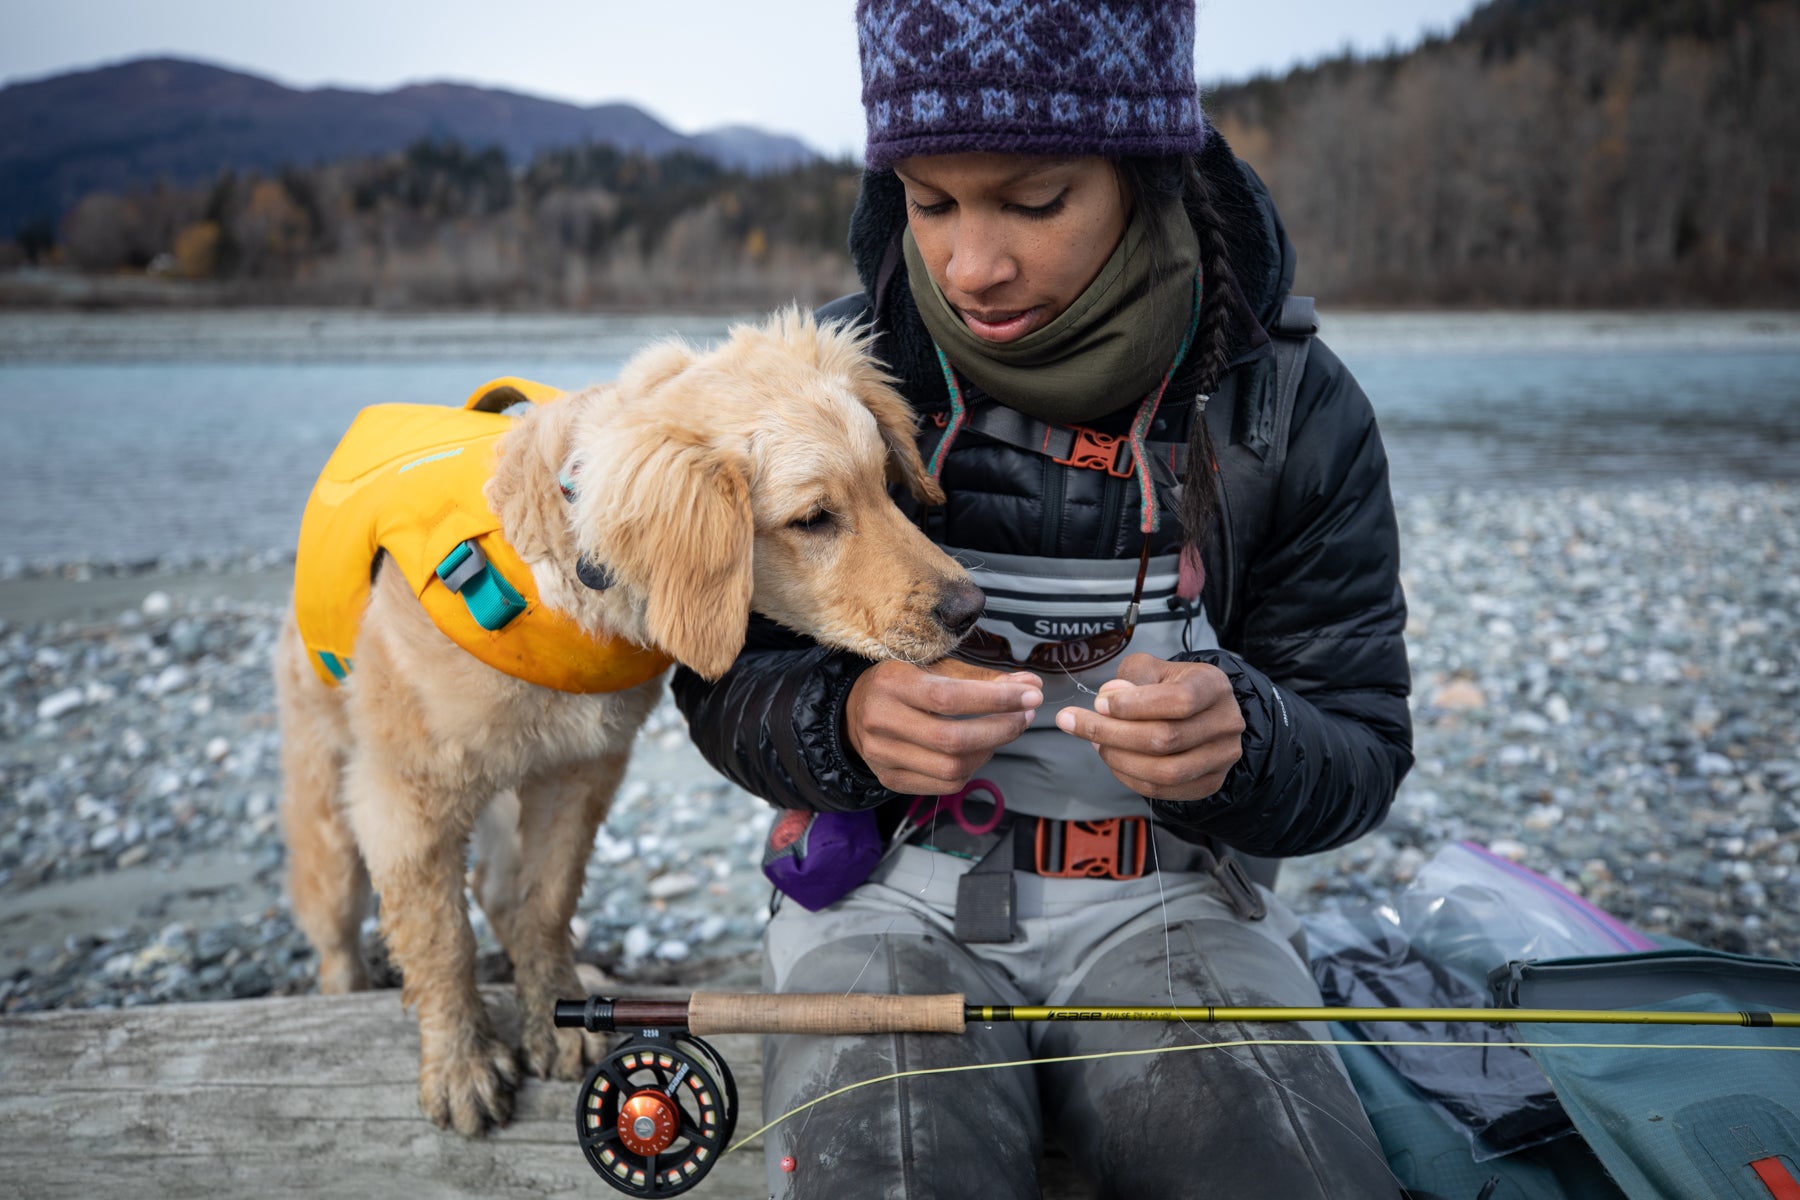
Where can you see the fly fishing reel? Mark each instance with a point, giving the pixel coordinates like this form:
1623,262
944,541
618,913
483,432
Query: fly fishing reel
654,1115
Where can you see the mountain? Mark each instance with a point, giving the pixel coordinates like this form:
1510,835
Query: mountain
128,125
753,150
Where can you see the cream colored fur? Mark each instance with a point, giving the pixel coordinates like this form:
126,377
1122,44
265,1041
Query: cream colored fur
711,484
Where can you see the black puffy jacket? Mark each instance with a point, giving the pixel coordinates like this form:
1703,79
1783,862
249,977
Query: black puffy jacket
1304,592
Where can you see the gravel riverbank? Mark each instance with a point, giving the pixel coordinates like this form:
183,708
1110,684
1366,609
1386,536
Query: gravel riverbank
1605,689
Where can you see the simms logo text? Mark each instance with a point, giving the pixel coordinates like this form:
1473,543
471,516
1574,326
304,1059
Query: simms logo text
1044,627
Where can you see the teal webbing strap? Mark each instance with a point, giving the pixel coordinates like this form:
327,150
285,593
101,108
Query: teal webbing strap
338,668
461,565
491,600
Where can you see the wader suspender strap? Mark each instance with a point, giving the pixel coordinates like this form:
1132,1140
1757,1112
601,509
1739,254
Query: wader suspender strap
1070,445
1073,446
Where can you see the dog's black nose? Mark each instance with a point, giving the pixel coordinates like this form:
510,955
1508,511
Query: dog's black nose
960,607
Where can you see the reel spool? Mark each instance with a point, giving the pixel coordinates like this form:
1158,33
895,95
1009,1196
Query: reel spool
654,1115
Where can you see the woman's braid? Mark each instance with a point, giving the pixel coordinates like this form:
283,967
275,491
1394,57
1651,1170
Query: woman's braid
1199,491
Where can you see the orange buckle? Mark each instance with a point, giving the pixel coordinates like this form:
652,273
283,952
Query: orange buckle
1098,452
1109,849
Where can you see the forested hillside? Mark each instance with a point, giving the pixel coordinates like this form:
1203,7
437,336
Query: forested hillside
1550,152
441,225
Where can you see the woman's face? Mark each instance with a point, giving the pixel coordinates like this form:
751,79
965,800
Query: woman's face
1010,239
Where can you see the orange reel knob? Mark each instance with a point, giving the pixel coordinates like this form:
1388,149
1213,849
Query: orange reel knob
648,1122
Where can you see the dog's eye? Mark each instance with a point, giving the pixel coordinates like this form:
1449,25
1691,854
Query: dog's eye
813,522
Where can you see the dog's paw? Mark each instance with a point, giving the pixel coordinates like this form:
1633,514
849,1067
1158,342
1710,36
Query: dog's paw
342,973
552,1053
469,1089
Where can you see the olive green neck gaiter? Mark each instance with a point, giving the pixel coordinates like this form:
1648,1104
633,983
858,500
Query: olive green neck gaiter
1108,349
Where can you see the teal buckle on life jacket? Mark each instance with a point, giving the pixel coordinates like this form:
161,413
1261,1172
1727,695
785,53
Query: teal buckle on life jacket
491,600
339,668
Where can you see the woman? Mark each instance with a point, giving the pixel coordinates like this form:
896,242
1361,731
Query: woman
1192,646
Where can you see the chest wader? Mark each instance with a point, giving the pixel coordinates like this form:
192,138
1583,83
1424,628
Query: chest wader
1066,813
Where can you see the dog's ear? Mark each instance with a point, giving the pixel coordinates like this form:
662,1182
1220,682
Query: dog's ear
894,416
654,366
848,350
684,535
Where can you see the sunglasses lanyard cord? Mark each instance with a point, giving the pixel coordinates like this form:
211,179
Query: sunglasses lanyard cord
1140,428
1137,591
959,413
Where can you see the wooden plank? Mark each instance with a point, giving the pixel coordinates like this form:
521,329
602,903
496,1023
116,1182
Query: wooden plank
296,1096
299,1096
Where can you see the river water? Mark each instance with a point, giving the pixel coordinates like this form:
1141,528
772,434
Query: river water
142,436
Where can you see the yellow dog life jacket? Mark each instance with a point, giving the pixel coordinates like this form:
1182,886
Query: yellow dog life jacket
407,479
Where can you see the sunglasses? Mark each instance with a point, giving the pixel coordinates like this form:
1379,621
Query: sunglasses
1067,656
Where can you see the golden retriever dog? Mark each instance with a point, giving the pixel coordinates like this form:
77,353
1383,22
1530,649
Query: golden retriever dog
752,477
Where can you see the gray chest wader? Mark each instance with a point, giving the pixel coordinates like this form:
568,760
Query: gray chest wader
1045,773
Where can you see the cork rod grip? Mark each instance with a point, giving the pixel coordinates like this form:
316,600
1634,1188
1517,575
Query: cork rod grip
756,1012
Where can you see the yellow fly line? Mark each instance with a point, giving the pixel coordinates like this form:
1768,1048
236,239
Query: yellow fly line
1572,1016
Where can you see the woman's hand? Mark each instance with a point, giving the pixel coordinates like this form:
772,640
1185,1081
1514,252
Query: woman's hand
925,731
1168,730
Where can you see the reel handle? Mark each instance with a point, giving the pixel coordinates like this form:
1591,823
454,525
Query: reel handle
603,1014
708,1013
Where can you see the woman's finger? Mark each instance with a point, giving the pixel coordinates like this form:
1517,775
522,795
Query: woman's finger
961,737
1153,737
949,697
1187,776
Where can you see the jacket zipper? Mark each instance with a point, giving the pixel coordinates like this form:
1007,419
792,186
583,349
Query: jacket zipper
1226,557
1050,535
1108,543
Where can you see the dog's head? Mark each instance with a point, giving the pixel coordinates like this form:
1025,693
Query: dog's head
754,477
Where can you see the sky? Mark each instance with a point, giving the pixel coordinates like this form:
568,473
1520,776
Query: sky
786,66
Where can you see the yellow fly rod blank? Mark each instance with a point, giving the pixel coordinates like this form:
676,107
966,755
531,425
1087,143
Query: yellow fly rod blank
1493,1016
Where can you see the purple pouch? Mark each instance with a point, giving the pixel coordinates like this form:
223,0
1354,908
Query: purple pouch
817,858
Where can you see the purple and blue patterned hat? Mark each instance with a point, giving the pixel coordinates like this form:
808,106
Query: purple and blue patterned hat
1028,77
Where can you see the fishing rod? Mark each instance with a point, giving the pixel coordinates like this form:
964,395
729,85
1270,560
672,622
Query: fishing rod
655,1114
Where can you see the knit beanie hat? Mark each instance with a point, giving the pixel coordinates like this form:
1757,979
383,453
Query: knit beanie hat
1028,77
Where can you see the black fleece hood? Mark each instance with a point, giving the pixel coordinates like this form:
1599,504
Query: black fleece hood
1256,242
